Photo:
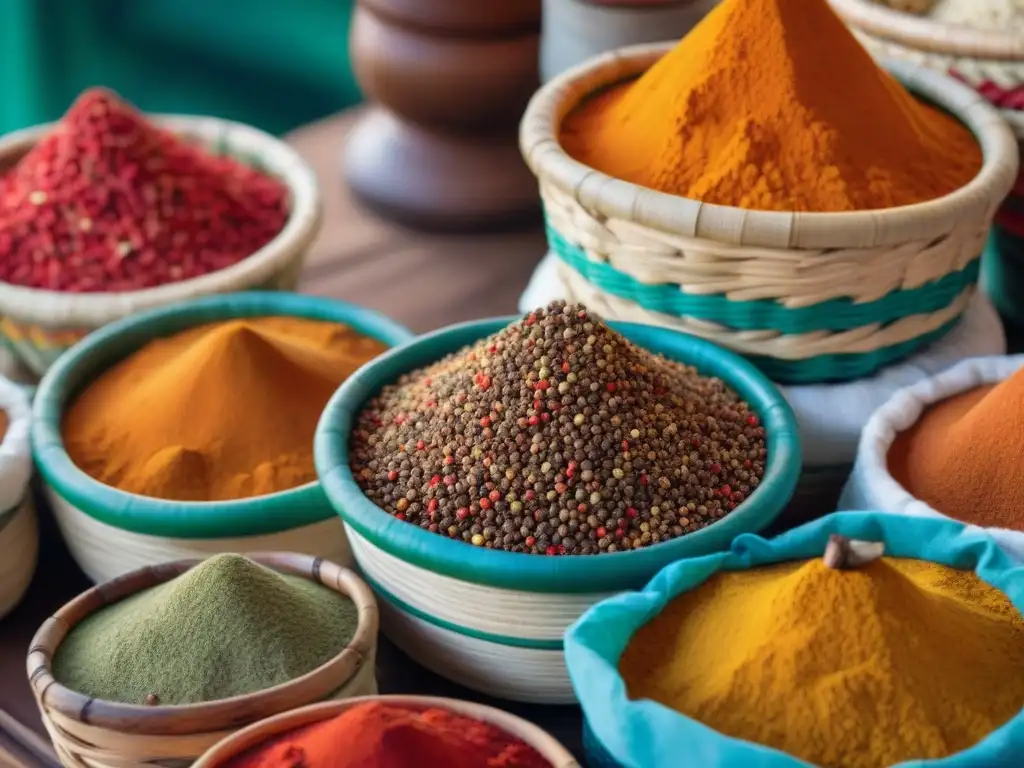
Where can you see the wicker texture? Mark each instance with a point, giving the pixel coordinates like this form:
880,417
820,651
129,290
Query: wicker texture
792,290
104,552
38,325
89,733
546,745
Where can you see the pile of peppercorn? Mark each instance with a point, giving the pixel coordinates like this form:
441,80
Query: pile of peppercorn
557,435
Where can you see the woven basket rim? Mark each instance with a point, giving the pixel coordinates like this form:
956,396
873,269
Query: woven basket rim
210,716
251,736
926,34
538,139
50,308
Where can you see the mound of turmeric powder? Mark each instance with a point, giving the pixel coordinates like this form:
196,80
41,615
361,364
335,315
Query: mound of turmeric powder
773,105
897,660
219,412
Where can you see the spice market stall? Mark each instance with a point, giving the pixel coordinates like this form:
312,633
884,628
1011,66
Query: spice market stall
496,478
949,446
164,662
253,371
907,632
210,206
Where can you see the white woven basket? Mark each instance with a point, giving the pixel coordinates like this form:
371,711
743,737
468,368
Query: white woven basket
19,536
38,325
446,625
90,733
104,552
618,240
557,755
978,56
872,487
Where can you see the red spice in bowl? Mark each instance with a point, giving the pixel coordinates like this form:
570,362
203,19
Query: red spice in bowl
107,201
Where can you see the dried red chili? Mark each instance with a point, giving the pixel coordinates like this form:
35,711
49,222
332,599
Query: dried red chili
107,201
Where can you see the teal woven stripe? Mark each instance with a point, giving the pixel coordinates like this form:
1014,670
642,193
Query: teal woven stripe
834,315
1004,275
844,367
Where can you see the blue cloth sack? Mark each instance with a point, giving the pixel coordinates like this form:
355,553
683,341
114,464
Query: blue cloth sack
644,734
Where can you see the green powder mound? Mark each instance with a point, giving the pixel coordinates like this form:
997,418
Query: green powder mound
227,627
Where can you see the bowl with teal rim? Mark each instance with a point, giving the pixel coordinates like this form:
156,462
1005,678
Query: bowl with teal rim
807,297
620,731
111,532
493,620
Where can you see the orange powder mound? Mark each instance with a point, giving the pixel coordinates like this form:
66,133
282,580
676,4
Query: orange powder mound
963,455
222,411
773,105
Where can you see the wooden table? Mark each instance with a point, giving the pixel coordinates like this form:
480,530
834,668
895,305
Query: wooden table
423,281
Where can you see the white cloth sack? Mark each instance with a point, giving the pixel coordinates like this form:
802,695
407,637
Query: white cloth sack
15,453
871,487
831,415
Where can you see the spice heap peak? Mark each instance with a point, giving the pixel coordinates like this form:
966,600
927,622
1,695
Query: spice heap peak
963,455
219,412
557,435
773,105
225,628
107,201
896,660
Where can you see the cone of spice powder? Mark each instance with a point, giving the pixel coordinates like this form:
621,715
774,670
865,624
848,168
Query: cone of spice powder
962,456
107,201
218,412
558,436
227,627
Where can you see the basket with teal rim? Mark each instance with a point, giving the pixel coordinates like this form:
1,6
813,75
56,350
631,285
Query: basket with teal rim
111,532
808,297
493,620
641,733
38,325
992,62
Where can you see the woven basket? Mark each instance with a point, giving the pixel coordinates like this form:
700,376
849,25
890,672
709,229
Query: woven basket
19,536
91,733
872,486
38,325
493,620
808,297
111,532
991,62
256,734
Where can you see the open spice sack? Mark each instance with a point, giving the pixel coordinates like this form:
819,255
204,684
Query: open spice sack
879,620
19,537
950,446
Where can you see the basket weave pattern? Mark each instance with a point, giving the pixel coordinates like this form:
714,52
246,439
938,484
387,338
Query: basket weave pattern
809,297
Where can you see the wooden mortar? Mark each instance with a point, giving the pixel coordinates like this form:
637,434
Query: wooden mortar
450,79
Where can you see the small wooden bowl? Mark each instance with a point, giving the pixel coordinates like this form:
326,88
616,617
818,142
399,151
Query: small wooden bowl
92,733
236,744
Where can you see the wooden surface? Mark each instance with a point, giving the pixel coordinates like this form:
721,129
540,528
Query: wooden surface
421,281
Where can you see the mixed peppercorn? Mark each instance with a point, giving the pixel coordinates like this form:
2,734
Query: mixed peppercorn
109,202
557,435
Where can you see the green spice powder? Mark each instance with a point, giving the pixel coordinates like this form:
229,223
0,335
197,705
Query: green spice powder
225,628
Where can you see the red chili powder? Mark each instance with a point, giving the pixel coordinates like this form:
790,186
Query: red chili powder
379,735
109,202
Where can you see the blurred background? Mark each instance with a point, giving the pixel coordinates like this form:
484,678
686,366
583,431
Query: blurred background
275,64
